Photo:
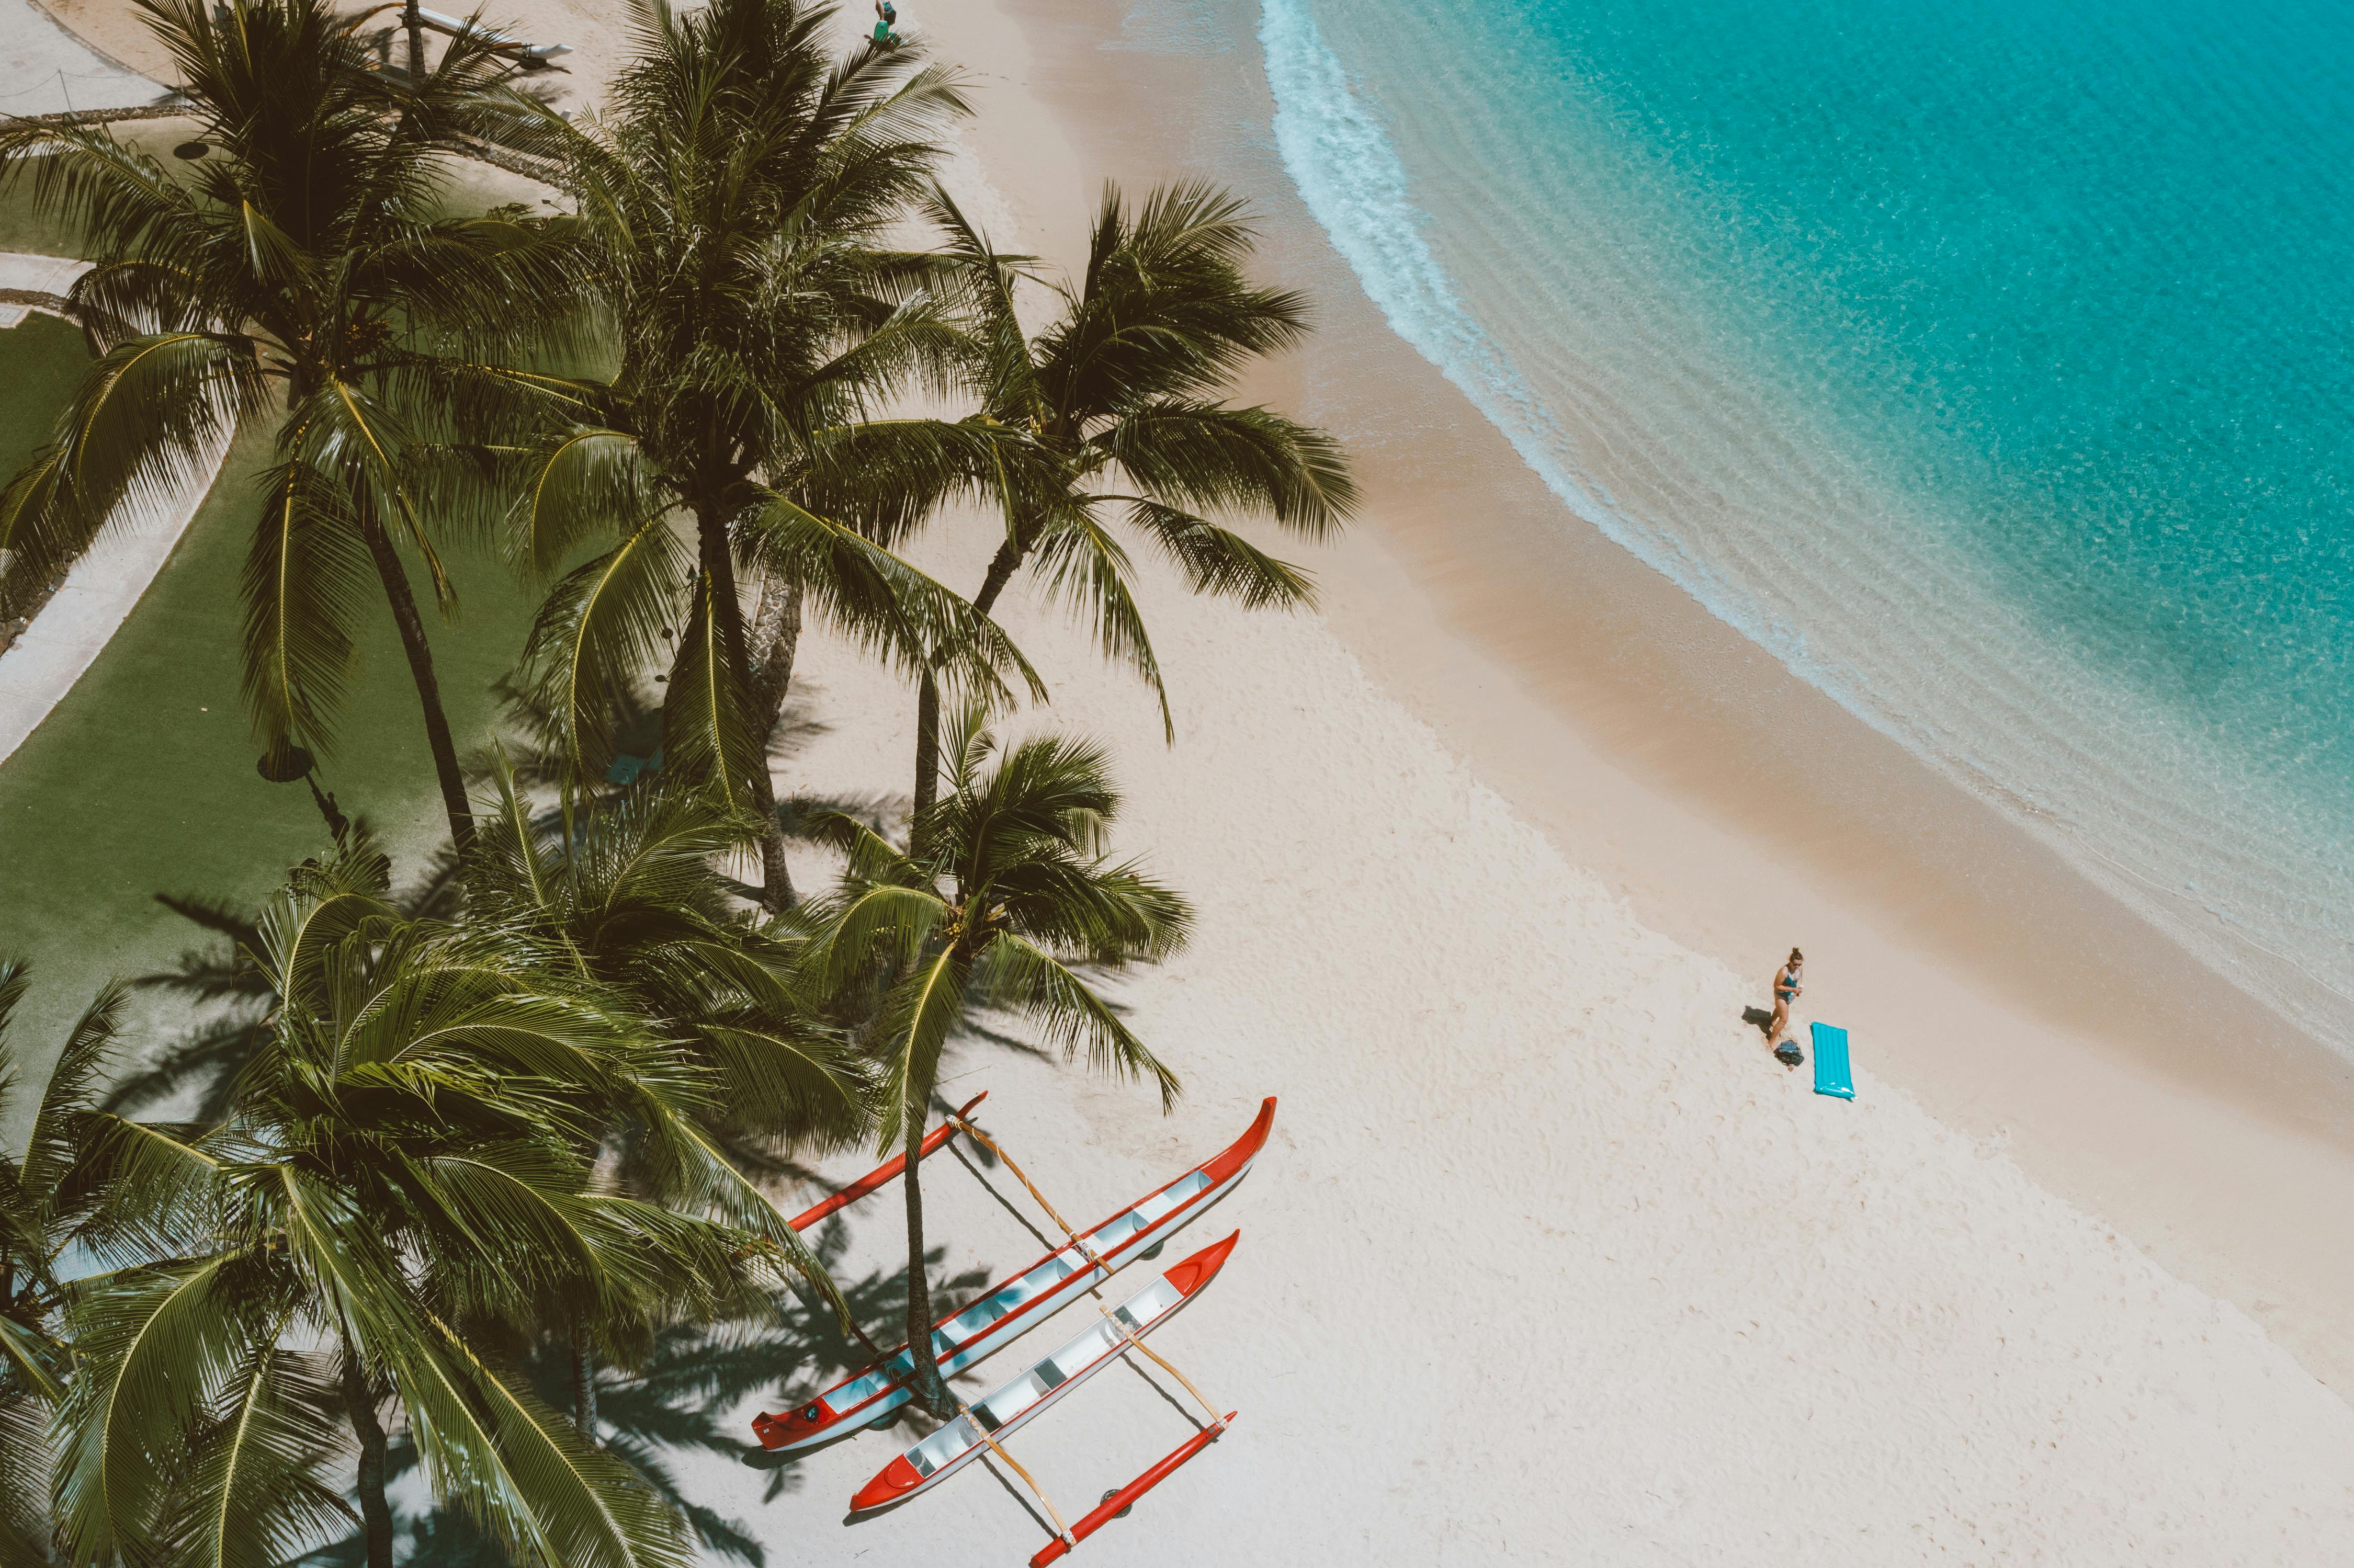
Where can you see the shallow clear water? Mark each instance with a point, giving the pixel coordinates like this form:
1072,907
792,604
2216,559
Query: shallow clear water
1989,362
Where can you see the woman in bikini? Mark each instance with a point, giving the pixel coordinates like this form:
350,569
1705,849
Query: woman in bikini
1786,989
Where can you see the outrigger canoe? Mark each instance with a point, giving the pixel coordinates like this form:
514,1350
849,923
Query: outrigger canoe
1020,1304
958,1444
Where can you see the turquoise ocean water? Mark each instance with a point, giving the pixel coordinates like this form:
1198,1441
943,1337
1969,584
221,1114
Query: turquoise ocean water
1990,363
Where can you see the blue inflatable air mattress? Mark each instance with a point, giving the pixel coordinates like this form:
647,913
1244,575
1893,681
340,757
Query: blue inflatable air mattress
1831,1074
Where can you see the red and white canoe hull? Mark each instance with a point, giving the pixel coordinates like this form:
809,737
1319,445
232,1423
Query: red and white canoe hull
1008,1409
1014,1307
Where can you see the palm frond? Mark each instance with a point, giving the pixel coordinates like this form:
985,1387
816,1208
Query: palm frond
707,733
918,1017
304,585
1017,977
1220,561
587,483
156,1347
889,607
601,626
520,1470
1211,456
150,413
1088,571
70,1098
259,1490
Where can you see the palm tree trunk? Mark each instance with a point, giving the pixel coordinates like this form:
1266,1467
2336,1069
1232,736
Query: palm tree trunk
416,26
1002,568
927,759
929,1390
584,1382
776,633
719,564
394,577
376,1513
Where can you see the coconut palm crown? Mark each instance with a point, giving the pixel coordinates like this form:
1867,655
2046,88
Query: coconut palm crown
627,891
303,273
1009,898
739,194
403,1197
1122,391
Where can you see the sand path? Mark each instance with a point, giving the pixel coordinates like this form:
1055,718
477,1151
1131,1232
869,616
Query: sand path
46,69
42,665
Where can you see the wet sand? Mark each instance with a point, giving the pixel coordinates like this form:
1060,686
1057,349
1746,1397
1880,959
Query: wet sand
1549,1260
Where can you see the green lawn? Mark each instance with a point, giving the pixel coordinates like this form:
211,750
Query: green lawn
142,782
41,358
142,779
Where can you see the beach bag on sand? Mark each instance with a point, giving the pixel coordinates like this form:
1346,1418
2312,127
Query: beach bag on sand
1788,1051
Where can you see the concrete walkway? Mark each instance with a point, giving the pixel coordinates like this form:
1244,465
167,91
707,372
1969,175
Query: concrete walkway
44,69
42,665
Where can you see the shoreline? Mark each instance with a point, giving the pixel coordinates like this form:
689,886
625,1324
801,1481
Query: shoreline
1973,966
1536,1197
1545,1258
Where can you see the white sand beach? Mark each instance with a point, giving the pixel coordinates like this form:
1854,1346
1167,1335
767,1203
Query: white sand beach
1547,1261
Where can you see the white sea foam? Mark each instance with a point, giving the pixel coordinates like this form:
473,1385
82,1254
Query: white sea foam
1573,332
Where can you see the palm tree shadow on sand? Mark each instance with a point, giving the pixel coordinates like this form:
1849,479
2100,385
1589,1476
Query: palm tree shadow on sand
690,1403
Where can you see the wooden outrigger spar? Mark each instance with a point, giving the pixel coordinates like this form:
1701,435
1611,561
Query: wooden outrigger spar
987,1422
1014,1307
1128,1326
1080,1242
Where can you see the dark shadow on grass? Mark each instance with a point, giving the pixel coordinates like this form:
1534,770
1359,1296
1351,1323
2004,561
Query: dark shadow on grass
196,1072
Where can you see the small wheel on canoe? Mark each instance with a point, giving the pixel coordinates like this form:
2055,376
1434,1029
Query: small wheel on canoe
1109,1496
884,1422
1149,1254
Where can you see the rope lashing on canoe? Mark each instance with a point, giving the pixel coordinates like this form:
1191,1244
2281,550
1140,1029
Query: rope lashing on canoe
1125,1332
1062,1531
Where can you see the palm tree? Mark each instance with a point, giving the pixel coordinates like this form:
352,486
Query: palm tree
1121,392
738,198
303,273
623,892
1007,891
44,1201
405,1179
627,893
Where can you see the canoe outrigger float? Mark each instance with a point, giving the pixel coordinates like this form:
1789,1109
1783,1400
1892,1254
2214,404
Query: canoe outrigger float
1012,1308
1119,1502
1121,1331
888,1169
958,1444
